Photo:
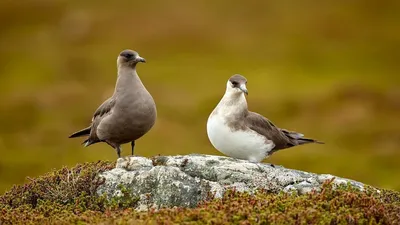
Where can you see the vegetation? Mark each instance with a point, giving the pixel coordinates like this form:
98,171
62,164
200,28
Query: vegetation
67,196
328,69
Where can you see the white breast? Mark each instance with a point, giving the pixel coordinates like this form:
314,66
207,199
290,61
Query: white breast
240,144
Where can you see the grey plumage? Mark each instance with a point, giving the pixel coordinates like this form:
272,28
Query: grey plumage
128,114
240,133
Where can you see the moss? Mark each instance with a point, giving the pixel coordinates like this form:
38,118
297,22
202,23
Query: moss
68,196
389,196
61,186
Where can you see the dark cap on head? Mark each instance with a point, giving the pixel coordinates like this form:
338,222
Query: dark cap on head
237,79
131,56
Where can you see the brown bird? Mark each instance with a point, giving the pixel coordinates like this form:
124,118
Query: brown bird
128,114
239,133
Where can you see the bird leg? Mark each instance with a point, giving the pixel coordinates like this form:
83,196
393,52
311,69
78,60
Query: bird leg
133,146
116,147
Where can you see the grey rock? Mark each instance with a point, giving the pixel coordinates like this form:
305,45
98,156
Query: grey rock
184,181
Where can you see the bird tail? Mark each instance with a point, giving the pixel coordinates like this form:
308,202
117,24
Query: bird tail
81,133
301,140
87,142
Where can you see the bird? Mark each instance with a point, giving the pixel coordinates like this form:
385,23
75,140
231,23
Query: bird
128,114
239,133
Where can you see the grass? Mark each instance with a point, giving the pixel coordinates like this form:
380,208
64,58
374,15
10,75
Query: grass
67,196
325,69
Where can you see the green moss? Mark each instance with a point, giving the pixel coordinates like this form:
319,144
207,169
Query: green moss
389,196
68,196
62,186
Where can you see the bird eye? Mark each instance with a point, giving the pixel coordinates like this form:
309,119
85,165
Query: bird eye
129,55
235,83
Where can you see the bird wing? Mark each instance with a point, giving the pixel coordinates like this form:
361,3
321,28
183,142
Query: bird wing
104,108
292,134
265,127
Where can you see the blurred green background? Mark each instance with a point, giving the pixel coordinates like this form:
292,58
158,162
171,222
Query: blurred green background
328,69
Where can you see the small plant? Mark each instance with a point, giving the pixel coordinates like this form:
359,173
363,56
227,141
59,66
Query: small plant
62,186
68,196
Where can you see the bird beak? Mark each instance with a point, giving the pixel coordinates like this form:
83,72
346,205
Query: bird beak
140,59
243,88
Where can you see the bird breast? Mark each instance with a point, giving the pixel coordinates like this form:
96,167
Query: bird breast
242,143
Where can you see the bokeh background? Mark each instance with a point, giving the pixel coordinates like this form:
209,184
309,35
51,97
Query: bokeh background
328,69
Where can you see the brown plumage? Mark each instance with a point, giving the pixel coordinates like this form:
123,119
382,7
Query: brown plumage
128,114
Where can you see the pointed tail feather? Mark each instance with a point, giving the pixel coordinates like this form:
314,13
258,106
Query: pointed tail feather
300,137
303,141
87,142
81,133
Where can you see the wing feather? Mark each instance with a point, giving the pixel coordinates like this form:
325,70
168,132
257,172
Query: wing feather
265,127
104,108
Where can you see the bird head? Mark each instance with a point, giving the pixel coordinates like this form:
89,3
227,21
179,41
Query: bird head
129,58
237,84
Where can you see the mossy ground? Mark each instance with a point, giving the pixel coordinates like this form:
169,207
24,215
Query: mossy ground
67,196
329,70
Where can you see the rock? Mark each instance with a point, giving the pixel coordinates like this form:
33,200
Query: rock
184,181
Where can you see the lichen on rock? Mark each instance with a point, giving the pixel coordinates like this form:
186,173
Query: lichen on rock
236,192
185,181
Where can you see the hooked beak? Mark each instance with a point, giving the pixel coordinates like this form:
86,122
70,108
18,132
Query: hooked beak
140,59
243,88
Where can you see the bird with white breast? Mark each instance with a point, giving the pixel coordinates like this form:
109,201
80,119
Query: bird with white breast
239,133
